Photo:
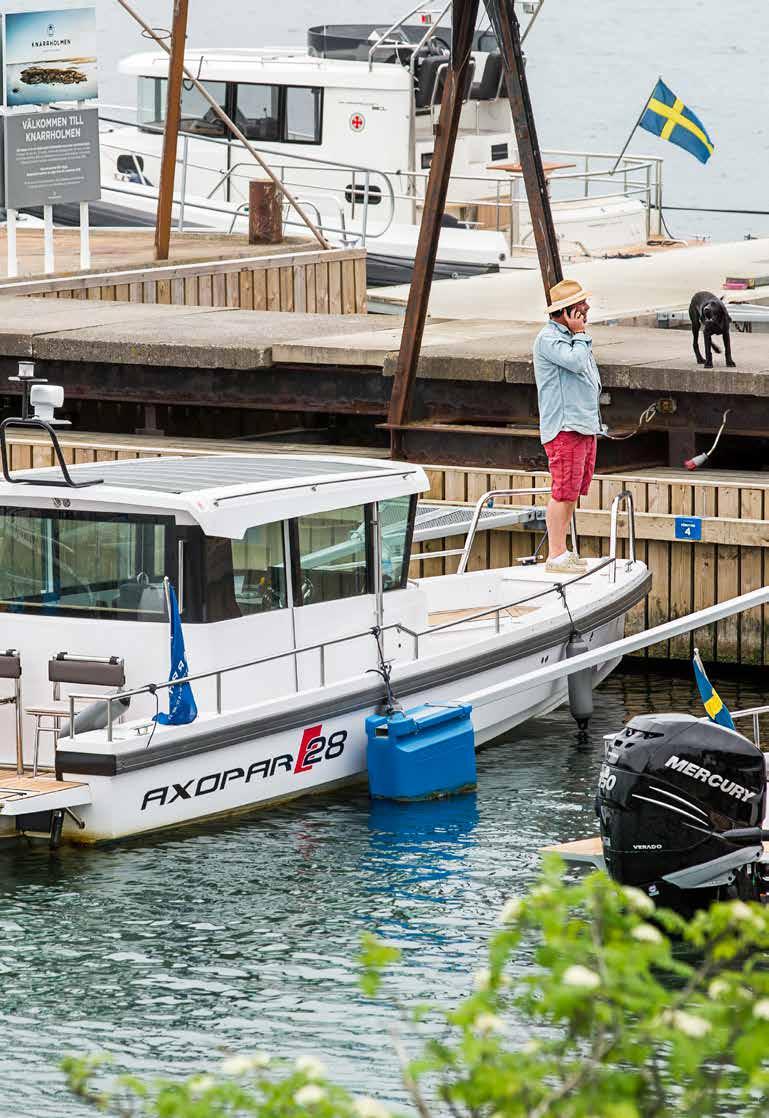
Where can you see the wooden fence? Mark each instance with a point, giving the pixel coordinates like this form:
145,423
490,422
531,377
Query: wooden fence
731,558
331,282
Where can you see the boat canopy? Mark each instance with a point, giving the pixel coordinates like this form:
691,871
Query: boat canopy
278,66
225,494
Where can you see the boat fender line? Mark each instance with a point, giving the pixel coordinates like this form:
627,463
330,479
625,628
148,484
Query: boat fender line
580,685
646,417
384,669
701,459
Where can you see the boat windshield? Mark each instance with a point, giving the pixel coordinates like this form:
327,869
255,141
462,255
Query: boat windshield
81,563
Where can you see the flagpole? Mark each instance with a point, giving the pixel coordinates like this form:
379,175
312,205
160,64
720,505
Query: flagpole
167,592
633,132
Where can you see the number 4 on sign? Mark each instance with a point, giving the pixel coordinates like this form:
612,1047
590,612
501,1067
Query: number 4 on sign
688,528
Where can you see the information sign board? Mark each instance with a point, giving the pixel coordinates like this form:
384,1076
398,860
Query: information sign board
51,157
689,528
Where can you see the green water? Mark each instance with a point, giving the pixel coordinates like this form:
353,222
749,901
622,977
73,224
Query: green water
171,953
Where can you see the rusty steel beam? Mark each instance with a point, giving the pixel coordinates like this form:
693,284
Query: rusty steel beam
508,33
171,130
464,14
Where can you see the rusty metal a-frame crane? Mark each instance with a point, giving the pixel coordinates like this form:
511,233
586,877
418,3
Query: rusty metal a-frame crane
506,28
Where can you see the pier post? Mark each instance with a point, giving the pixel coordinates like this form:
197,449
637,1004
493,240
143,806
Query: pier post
171,131
265,213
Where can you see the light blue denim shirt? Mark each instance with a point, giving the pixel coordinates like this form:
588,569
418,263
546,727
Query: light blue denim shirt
568,382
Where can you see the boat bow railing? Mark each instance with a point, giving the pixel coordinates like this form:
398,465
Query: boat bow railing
321,647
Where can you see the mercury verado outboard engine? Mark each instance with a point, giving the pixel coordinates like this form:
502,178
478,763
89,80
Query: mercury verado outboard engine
681,804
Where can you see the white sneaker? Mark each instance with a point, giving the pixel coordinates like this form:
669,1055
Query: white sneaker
569,566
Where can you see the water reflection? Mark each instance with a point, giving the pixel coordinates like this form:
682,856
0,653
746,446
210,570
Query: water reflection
170,951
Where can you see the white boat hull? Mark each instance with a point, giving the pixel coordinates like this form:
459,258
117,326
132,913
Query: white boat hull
279,766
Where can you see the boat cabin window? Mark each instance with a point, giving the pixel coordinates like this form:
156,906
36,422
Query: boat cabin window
331,555
396,517
84,564
290,114
197,117
247,576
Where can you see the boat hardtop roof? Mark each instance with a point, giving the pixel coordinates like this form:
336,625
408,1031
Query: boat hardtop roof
225,493
268,65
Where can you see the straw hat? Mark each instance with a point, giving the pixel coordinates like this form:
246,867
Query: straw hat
566,294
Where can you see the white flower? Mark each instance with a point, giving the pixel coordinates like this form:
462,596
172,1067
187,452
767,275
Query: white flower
482,979
581,977
688,1024
242,1065
366,1107
761,1009
309,1095
512,911
718,988
646,933
236,1065
531,1046
201,1083
638,900
311,1066
489,1023
740,912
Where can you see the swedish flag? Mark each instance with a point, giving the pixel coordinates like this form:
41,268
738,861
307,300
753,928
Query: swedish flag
668,117
712,701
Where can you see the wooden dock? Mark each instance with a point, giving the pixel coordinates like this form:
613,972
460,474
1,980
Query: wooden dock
217,370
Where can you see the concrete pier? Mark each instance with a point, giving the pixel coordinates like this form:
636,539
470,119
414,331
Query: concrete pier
475,400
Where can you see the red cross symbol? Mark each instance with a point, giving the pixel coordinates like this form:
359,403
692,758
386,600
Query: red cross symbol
357,122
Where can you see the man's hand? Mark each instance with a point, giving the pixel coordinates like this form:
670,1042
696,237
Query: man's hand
575,322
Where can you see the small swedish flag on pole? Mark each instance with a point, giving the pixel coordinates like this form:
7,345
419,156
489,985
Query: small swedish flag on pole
712,701
666,116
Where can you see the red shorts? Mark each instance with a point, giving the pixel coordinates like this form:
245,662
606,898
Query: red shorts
571,458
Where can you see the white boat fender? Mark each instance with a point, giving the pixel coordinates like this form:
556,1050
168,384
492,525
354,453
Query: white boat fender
580,685
94,717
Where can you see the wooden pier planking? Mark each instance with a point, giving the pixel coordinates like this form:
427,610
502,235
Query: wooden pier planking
292,277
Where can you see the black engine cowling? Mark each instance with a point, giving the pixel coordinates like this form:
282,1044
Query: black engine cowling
670,789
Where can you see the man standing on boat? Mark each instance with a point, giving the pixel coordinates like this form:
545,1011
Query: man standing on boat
569,388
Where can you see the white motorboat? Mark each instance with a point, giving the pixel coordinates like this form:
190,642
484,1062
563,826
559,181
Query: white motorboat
349,125
290,571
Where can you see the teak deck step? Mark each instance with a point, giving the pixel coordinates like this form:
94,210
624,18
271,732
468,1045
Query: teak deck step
444,616
48,793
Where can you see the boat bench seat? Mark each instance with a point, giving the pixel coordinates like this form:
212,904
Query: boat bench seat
84,671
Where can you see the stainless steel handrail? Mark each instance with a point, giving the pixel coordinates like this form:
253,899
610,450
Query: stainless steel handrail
626,498
754,713
489,497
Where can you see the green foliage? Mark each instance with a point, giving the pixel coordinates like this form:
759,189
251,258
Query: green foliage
629,1013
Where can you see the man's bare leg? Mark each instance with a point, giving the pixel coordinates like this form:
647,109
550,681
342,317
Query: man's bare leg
557,518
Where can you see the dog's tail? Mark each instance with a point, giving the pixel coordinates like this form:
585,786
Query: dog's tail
717,348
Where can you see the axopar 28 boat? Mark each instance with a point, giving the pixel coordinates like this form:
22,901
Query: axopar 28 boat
290,573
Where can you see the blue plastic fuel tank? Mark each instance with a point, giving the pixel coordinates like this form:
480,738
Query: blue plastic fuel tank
421,753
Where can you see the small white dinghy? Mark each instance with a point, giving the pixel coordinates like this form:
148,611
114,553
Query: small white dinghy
286,568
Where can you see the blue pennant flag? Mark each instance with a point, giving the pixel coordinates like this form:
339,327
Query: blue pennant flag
668,117
712,701
181,701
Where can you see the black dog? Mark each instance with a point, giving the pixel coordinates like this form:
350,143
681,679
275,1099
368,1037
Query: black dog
709,312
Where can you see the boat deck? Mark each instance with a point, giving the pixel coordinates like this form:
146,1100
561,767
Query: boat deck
49,793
